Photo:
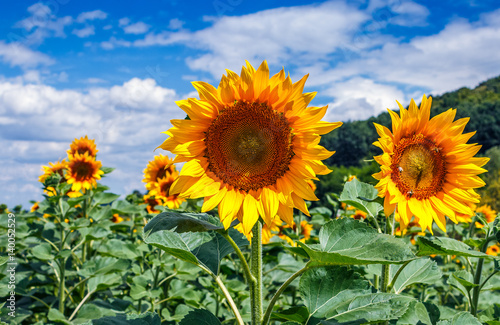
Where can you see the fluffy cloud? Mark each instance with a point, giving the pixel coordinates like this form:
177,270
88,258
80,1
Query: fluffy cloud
17,54
91,15
84,32
41,23
38,122
136,28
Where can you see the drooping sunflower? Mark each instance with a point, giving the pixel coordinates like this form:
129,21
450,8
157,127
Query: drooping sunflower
488,213
81,146
305,232
153,201
427,168
83,171
157,169
250,145
58,167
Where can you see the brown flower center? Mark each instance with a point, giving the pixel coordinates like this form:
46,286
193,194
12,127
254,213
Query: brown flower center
418,167
83,170
249,145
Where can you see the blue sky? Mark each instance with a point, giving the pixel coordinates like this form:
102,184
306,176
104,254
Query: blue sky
113,71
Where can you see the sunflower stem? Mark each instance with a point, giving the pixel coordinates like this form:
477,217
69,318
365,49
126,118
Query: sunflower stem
477,279
246,269
386,268
256,271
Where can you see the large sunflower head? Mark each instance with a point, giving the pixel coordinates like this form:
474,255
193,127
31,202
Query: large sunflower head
58,167
158,168
427,168
81,146
250,146
83,171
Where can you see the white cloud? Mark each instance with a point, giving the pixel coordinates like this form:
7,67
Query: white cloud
124,21
136,28
304,34
91,15
16,54
114,42
39,122
84,32
42,23
175,24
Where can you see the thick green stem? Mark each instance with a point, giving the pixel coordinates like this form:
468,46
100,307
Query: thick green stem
477,280
62,268
256,271
386,268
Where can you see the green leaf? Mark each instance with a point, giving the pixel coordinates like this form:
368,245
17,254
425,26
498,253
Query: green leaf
211,253
361,196
321,288
200,316
73,201
422,270
104,281
445,246
124,207
43,252
105,198
463,281
347,242
148,318
56,316
3,260
298,314
174,244
416,314
107,170
370,307
91,311
182,222
461,318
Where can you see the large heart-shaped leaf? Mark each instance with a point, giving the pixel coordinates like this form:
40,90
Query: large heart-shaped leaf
200,316
416,314
461,318
348,242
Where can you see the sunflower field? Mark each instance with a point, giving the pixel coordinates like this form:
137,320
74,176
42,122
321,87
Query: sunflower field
231,229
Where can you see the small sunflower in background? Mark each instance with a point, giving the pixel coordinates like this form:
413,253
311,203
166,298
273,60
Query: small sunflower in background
116,218
488,213
159,176
250,146
493,250
428,171
83,172
358,215
157,169
82,146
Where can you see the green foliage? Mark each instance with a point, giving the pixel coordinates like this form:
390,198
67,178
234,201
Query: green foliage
347,242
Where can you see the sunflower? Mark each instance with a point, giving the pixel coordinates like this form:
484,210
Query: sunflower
34,207
83,171
250,146
116,218
488,213
82,146
493,250
427,168
153,201
157,169
305,232
358,214
58,167
403,232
